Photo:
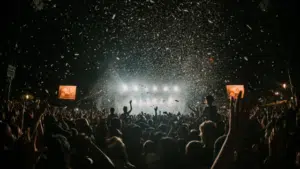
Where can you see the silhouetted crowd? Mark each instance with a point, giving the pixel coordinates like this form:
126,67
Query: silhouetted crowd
37,135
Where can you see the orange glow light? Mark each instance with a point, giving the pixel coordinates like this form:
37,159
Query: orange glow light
67,92
234,90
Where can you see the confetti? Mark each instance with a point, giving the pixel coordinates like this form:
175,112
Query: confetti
248,26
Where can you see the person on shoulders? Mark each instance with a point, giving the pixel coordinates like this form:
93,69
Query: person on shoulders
210,111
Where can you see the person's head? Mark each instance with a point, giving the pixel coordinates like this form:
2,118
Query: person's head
183,132
135,133
58,153
83,126
116,123
112,110
49,120
86,163
16,130
80,140
163,128
150,122
181,145
194,135
74,132
156,136
116,149
5,134
194,152
149,147
208,133
168,150
210,99
125,108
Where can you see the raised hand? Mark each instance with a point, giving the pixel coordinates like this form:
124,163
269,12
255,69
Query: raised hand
130,102
155,109
238,120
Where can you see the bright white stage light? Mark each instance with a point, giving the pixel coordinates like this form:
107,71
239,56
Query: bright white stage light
148,101
125,87
141,102
134,101
146,89
154,101
166,88
161,101
176,88
155,88
135,88
170,100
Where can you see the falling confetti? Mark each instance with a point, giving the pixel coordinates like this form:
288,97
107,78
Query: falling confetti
113,17
193,42
248,26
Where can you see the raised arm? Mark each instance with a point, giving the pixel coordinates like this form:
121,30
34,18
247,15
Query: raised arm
238,118
130,103
100,157
226,155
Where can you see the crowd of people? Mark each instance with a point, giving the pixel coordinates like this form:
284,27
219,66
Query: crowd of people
37,135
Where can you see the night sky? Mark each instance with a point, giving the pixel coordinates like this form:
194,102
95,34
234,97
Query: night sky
87,42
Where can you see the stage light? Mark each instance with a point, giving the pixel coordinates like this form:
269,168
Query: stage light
141,102
135,88
160,101
155,88
134,101
146,89
125,87
148,101
176,88
154,101
284,85
170,100
166,88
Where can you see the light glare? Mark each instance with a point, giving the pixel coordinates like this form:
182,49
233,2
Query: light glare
135,88
125,88
284,85
170,100
176,89
166,88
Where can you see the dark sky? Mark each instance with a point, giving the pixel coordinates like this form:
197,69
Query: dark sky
83,42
